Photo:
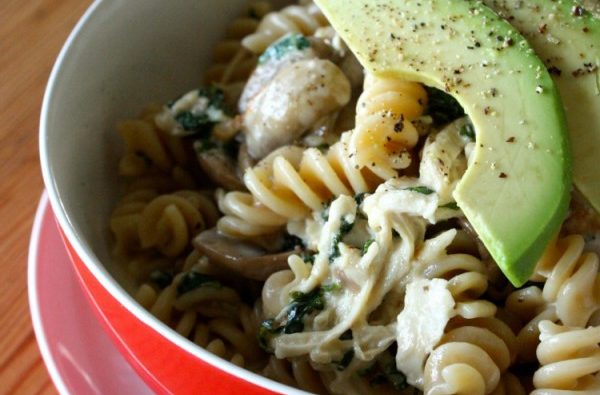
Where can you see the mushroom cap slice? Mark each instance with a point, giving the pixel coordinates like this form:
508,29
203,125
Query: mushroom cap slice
240,257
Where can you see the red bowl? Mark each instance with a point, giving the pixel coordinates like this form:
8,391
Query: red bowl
120,56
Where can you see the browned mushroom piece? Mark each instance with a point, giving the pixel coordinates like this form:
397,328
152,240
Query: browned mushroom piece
221,169
239,257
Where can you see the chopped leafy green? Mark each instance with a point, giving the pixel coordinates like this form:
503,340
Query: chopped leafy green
193,280
325,211
345,228
388,366
451,206
421,189
308,256
442,107
468,131
302,304
161,278
358,198
366,246
207,144
332,287
266,330
345,361
284,46
202,121
290,242
322,147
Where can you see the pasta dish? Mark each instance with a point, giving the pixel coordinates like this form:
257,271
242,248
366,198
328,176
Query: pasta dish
295,216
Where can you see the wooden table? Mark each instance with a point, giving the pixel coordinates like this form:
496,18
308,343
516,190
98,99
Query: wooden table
31,35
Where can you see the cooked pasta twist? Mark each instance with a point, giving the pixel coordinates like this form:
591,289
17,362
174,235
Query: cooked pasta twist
296,373
144,220
211,316
572,280
383,131
571,292
232,62
470,357
289,184
570,359
467,281
528,308
304,19
149,149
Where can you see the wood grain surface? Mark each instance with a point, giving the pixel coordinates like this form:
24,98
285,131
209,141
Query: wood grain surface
31,35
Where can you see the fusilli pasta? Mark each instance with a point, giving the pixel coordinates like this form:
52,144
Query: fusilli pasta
470,358
384,133
304,19
570,359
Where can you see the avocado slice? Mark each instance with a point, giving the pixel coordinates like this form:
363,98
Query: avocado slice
567,38
515,193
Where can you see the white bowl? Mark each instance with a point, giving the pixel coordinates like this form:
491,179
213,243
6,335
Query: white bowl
121,56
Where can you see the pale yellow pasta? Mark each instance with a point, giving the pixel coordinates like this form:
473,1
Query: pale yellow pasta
384,133
470,358
529,306
289,184
148,148
228,330
144,220
385,298
232,62
572,280
467,282
570,359
570,293
304,19
295,373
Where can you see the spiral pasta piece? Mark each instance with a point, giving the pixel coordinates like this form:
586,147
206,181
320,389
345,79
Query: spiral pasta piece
571,292
145,220
211,316
232,62
383,131
530,308
470,357
467,282
289,184
304,19
149,149
296,373
572,280
570,359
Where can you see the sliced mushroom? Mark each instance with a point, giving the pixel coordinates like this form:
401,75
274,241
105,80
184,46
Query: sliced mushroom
239,257
283,111
265,72
221,169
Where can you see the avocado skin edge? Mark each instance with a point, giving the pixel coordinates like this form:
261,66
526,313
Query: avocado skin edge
515,236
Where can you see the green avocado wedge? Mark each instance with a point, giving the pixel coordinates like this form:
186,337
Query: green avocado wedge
516,190
567,38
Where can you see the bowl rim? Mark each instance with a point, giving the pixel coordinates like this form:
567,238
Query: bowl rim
88,257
